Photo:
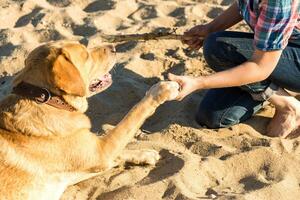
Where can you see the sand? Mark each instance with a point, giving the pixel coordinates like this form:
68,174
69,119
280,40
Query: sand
197,163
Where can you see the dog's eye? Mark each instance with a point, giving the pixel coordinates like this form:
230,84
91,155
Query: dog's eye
66,57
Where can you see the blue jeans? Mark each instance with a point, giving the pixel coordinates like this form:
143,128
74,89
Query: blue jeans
229,106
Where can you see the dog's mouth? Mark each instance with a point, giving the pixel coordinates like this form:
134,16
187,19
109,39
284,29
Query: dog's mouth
101,83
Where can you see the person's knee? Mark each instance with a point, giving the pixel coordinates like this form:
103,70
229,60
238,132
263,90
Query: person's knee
214,52
225,107
208,120
221,51
216,119
209,49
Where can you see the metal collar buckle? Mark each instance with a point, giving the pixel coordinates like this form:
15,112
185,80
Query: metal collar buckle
45,96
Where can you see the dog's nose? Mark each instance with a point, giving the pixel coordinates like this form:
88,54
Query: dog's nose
112,48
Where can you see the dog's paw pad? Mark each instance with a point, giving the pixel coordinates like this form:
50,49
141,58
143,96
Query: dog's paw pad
149,157
173,89
146,157
164,91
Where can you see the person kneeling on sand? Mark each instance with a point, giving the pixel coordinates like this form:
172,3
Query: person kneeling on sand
250,67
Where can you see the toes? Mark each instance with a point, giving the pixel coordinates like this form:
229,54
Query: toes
107,127
149,157
174,89
164,91
170,89
174,85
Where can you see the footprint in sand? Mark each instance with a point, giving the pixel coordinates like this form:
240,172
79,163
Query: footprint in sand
59,3
84,30
7,50
205,149
227,2
34,17
179,14
49,34
214,12
147,56
173,191
5,85
169,165
252,183
87,29
144,12
126,46
166,168
100,5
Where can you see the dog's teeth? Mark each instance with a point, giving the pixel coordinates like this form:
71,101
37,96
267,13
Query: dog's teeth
100,83
95,81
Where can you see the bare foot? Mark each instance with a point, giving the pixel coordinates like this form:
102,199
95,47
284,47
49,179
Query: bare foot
286,119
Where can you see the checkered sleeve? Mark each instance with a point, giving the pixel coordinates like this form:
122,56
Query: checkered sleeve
275,24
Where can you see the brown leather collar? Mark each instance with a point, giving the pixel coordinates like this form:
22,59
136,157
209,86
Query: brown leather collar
41,95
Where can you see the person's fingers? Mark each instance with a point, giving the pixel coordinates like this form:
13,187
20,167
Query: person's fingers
189,43
188,37
192,37
188,33
189,40
197,45
173,77
193,43
195,40
195,31
191,32
180,80
180,97
185,42
177,79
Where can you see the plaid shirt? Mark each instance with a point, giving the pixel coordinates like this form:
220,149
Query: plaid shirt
274,22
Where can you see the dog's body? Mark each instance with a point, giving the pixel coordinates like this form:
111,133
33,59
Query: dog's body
44,149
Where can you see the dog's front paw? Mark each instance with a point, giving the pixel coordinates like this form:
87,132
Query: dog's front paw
140,157
143,157
164,91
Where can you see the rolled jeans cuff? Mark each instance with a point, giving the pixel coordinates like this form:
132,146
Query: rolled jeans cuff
265,95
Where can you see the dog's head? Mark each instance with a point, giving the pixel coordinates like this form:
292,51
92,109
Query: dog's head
70,70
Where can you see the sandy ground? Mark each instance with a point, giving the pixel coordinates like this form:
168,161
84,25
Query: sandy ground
197,163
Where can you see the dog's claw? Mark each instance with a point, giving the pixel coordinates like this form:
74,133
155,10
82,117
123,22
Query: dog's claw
148,156
164,91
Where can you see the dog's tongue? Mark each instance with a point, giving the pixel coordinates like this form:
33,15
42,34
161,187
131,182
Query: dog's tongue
106,78
100,83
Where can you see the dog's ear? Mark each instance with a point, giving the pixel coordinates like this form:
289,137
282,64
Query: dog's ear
66,76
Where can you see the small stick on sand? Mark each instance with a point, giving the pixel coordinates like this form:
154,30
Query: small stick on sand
143,37
156,35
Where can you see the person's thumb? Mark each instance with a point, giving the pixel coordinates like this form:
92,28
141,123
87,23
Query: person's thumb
187,36
173,77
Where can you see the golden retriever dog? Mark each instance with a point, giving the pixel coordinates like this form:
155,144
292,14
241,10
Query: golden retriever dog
45,138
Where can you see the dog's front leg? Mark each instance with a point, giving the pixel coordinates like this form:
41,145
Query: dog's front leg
138,157
115,141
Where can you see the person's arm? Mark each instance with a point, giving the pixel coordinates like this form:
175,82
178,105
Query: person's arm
227,19
194,37
258,68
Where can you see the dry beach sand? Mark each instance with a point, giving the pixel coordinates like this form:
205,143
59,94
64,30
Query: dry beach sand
197,163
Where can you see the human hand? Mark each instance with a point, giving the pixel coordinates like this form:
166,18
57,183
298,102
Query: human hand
195,36
188,84
163,91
